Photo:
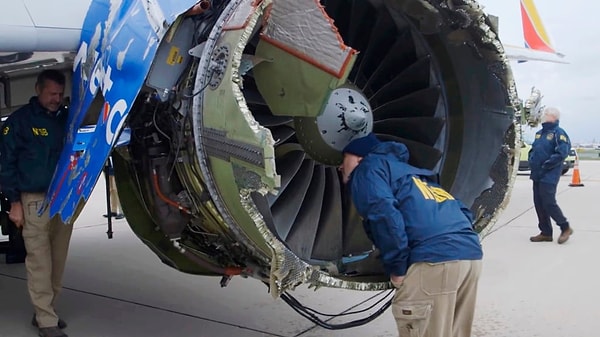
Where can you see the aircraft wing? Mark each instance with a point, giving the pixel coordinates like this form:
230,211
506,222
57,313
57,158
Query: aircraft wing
118,44
522,54
30,25
538,46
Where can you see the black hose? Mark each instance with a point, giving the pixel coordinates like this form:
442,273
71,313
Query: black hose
311,314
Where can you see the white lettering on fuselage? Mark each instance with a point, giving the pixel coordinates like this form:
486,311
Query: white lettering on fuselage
101,77
116,114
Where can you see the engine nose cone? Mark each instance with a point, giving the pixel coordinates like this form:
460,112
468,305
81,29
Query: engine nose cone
347,115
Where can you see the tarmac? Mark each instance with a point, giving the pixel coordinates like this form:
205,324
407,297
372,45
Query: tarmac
118,287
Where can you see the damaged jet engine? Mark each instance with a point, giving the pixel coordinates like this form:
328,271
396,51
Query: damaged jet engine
231,166
242,109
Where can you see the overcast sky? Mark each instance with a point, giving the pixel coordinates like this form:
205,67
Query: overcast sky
574,28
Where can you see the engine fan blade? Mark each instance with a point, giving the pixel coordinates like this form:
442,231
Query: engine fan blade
424,130
301,237
288,165
421,155
328,242
420,103
396,61
288,204
415,77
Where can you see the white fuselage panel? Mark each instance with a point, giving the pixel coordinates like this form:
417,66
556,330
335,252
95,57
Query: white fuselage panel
40,25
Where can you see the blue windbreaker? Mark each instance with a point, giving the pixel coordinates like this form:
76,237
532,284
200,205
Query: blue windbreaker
30,145
406,215
548,151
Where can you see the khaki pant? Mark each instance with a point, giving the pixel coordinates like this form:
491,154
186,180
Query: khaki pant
437,299
47,244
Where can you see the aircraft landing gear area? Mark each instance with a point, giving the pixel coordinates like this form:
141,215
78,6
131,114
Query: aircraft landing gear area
14,248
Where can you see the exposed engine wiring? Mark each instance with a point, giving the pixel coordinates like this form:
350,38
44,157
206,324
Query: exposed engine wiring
198,230
180,133
203,87
163,197
179,142
225,271
156,124
311,314
138,187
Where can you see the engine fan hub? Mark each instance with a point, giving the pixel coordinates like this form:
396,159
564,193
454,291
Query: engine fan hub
347,115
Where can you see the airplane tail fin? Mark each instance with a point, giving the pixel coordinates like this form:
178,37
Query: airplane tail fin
536,36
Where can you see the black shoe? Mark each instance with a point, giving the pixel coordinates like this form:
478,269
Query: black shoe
61,324
112,214
541,238
52,331
564,236
119,216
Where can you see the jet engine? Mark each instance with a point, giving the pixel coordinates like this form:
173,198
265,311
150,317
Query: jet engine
235,137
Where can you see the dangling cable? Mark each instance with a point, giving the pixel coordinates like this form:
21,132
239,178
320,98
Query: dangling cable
311,314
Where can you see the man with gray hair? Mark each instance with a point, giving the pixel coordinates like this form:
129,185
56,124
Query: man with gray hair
548,151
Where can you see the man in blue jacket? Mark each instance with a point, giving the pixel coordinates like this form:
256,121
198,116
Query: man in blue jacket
548,151
425,236
31,141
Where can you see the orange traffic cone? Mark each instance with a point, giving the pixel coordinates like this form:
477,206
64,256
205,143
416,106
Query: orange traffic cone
576,180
